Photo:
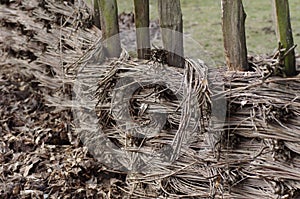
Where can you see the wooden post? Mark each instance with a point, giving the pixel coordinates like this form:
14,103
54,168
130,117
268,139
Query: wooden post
97,14
170,16
285,35
233,25
110,27
141,8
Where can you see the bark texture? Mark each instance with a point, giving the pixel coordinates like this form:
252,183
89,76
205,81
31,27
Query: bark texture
285,35
110,27
233,18
170,16
96,16
141,8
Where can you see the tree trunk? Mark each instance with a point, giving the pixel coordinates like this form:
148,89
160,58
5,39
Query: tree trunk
285,35
171,23
97,14
234,34
110,27
141,8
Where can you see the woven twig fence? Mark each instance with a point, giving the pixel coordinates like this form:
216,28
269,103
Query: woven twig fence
255,155
45,38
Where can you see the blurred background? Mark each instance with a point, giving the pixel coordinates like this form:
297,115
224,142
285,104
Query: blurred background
202,22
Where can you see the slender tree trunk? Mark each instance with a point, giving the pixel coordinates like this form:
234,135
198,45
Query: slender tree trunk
97,14
234,34
285,35
170,16
141,8
110,27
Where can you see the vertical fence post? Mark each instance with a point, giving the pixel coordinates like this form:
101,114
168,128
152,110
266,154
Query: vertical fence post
110,27
97,14
285,35
170,16
233,25
141,8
